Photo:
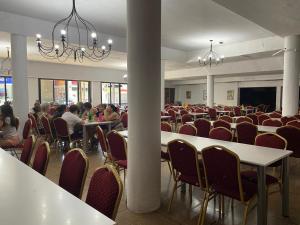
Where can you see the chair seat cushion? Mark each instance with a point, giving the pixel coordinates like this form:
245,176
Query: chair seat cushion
165,155
252,177
122,163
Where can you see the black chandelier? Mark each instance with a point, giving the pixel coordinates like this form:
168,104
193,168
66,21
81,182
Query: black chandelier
62,50
211,57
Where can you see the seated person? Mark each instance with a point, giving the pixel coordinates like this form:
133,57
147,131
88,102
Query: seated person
111,114
74,122
60,110
45,107
88,109
8,125
100,110
37,113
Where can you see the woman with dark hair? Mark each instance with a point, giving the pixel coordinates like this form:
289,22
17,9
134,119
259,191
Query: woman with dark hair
8,126
111,114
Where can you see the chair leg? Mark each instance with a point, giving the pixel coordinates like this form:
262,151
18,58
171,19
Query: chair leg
204,209
191,193
173,193
245,213
169,165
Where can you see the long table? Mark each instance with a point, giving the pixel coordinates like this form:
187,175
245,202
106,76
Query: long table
28,198
260,157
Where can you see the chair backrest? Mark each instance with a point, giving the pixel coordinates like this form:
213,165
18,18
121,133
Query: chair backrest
246,133
27,129
172,113
275,115
34,123
292,136
105,191
117,145
102,139
297,116
237,111
46,125
184,160
124,119
165,126
244,119
226,118
272,123
261,118
222,170
41,158
61,127
199,110
259,113
188,129
27,150
270,140
183,112
203,127
254,118
17,123
221,123
287,119
73,172
221,133
212,113
294,123
186,118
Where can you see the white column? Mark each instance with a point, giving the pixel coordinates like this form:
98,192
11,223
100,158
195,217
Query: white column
210,90
290,95
278,97
162,88
144,100
20,80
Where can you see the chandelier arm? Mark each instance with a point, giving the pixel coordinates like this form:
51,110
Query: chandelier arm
88,29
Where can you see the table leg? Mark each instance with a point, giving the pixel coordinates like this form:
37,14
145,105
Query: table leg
261,196
84,144
285,187
109,127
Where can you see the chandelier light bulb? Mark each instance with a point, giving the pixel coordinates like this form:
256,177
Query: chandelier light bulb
94,35
38,36
204,60
56,47
199,58
63,32
110,41
82,49
103,47
125,76
222,57
218,59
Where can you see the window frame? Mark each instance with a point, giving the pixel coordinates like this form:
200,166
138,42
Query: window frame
110,86
5,86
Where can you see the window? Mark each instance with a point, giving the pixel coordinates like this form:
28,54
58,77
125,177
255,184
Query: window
114,93
64,91
6,91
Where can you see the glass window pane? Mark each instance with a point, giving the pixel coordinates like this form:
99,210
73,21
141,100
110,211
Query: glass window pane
2,90
46,91
84,91
9,89
59,91
123,89
72,92
105,93
115,94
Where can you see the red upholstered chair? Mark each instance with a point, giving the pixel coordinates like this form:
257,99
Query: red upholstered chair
188,129
261,118
272,123
287,119
105,191
164,126
183,112
199,110
297,116
124,120
203,127
221,133
275,115
103,144
244,119
174,118
212,113
221,123
186,118
34,124
226,118
73,172
246,133
27,150
41,158
294,123
47,128
118,150
254,118
259,113
222,169
292,136
237,111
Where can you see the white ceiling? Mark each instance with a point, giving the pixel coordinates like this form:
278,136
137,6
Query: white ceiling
186,24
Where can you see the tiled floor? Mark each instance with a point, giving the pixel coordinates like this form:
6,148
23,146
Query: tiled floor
182,213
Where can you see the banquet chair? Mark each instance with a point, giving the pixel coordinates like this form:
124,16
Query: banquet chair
246,133
244,119
73,172
272,123
275,115
47,129
199,110
212,113
226,118
237,111
183,112
254,118
287,119
118,150
186,118
103,144
297,116
35,129
41,158
105,191
174,118
188,129
27,149
221,133
165,126
221,123
262,118
203,127
223,175
292,136
294,123
124,120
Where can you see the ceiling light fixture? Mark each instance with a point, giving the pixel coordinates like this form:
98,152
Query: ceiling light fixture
86,47
211,57
6,70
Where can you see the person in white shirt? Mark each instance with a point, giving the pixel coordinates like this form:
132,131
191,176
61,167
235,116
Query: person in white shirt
73,121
